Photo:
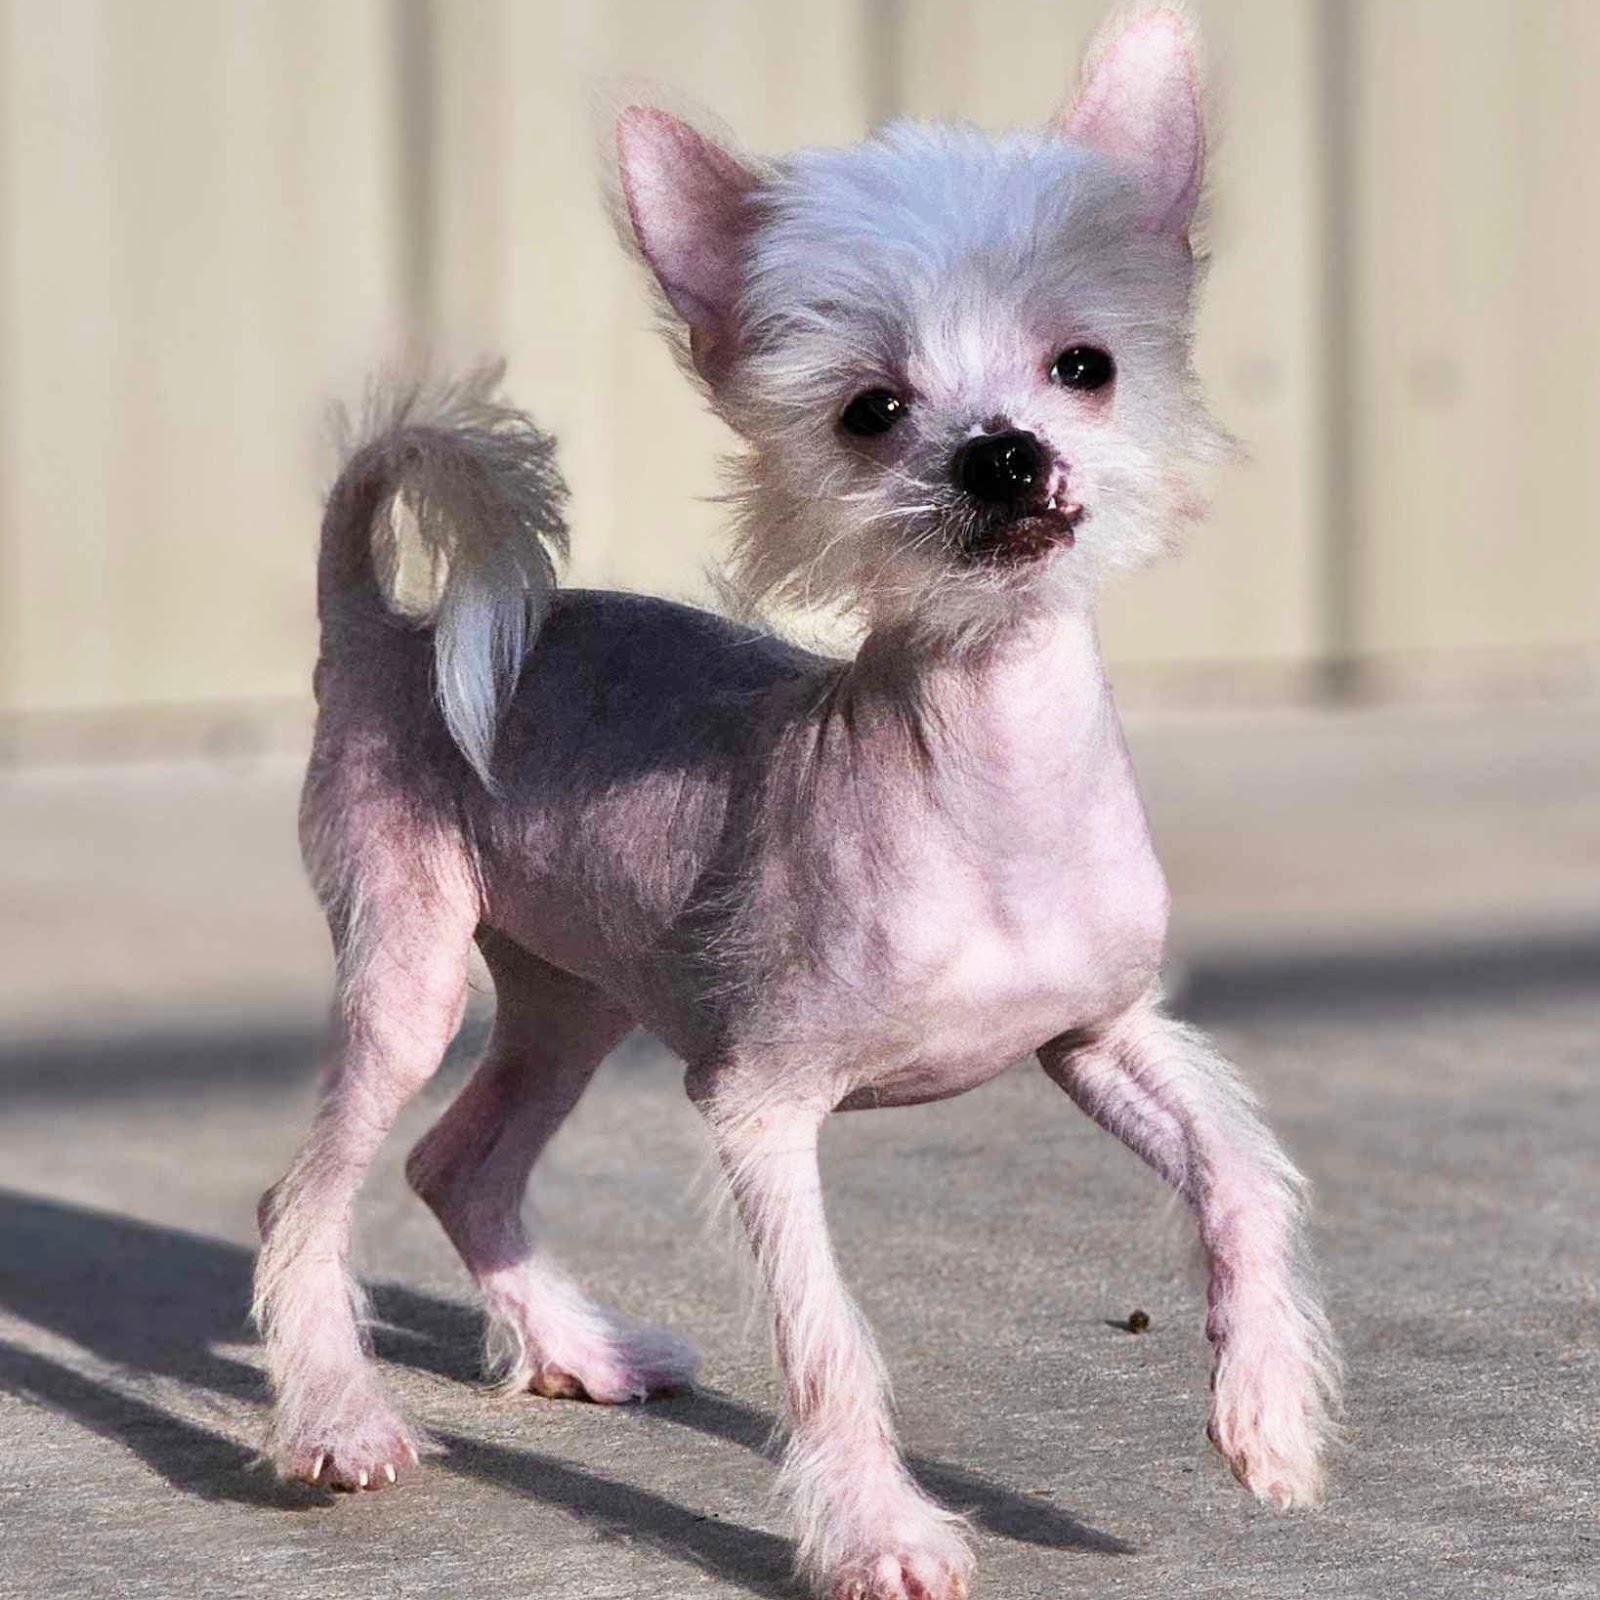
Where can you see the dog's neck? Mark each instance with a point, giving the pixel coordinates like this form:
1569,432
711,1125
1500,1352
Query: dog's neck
1034,699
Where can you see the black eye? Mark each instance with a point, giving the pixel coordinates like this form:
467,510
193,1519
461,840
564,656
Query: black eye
1083,367
872,413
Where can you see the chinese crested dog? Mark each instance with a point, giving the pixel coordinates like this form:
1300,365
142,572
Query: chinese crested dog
959,370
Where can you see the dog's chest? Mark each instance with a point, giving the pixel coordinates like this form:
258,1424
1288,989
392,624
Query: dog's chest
993,926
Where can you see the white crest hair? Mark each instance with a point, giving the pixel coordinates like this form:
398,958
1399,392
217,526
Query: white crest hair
942,264
936,246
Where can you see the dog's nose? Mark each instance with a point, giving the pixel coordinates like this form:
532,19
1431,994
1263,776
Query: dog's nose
999,468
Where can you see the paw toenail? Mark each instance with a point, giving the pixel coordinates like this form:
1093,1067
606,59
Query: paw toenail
361,1477
388,1472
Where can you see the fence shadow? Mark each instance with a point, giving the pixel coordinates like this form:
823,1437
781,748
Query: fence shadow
1376,981
155,1302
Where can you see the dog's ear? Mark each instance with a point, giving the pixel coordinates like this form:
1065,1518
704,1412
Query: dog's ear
1140,104
688,204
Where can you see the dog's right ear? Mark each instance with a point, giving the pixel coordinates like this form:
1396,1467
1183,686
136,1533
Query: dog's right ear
688,203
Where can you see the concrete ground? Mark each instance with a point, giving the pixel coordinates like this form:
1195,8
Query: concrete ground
1393,920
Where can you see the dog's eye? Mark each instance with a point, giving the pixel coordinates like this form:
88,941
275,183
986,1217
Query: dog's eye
1083,367
872,413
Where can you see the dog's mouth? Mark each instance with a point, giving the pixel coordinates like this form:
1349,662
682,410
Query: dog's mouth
1027,535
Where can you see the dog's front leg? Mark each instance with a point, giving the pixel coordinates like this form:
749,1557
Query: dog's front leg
1163,1090
866,1531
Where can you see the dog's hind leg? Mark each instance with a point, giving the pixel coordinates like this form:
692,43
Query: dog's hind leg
551,1031
1163,1090
402,912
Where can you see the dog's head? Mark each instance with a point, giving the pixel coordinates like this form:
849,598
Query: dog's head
960,363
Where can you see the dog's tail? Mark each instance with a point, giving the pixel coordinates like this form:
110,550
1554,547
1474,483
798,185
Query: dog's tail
448,511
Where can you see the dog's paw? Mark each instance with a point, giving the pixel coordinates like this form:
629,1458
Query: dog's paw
1286,1480
1270,1417
911,1550
903,1575
370,1448
614,1363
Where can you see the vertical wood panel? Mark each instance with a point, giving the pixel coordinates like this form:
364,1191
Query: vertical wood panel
1245,591
200,231
205,231
57,319
1479,327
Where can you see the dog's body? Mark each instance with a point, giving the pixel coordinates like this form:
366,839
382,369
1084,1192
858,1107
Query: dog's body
825,884
766,856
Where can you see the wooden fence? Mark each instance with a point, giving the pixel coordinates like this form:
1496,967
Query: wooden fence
217,214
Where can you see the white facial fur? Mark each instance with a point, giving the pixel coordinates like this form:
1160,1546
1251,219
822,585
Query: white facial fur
951,269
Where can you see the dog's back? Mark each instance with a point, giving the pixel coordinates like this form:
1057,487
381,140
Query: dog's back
563,750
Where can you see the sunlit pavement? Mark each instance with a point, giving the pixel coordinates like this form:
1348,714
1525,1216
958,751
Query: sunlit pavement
1392,921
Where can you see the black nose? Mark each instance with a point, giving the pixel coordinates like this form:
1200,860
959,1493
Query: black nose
999,467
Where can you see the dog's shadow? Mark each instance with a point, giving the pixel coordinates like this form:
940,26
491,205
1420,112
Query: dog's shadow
155,1303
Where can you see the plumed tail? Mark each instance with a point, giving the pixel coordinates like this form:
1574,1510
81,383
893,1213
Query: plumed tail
448,511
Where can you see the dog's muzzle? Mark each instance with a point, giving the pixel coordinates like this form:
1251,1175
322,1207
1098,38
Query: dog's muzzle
1000,468
1012,478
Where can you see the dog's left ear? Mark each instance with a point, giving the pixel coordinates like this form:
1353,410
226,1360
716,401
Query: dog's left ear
688,203
1140,104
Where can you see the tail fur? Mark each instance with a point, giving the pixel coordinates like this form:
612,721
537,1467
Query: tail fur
450,510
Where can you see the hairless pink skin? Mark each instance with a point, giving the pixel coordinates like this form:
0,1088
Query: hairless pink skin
826,885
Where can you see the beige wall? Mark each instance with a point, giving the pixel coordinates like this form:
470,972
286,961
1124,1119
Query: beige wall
217,214
1477,325
198,212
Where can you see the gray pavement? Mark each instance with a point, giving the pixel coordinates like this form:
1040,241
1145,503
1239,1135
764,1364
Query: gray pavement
1393,921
